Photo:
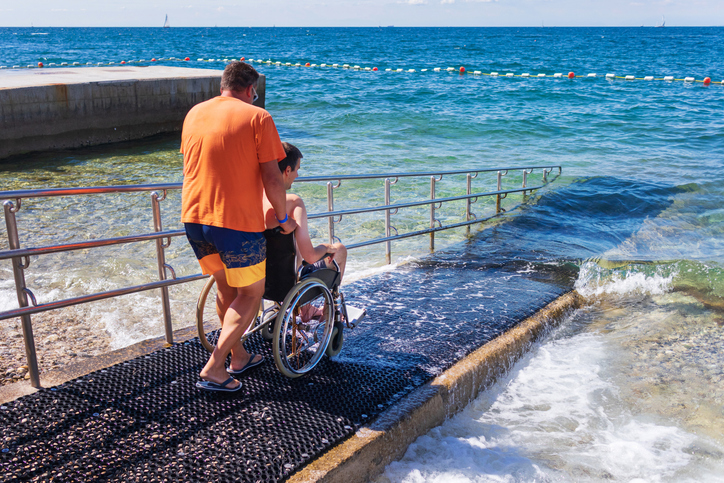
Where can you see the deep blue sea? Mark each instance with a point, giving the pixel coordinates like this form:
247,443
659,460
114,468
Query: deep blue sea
631,385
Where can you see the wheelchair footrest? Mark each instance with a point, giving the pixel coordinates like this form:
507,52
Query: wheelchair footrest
354,316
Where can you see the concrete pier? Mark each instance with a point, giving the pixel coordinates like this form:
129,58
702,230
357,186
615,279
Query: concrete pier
58,108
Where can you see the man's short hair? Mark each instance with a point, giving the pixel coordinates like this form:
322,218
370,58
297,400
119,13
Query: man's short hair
238,76
293,157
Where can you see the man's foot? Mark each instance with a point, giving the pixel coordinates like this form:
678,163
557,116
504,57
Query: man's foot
226,386
254,360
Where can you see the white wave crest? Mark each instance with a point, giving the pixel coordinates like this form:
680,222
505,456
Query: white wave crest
594,280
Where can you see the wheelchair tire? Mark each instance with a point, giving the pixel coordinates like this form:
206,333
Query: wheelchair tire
299,345
337,340
267,332
200,304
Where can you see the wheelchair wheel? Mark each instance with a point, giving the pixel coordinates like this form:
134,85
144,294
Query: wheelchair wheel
201,324
303,328
337,340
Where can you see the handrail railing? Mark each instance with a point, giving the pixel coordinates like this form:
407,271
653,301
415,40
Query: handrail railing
21,256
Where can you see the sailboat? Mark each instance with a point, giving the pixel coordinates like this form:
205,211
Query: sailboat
663,22
165,23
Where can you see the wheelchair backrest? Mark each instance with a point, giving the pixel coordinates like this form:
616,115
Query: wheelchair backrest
281,274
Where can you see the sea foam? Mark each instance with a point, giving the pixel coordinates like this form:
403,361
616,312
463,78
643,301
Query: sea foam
594,280
557,416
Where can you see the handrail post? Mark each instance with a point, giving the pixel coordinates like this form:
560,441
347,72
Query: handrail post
525,180
161,259
498,197
330,208
388,245
432,213
18,272
468,204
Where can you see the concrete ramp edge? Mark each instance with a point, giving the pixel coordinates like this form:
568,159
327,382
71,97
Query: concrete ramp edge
365,455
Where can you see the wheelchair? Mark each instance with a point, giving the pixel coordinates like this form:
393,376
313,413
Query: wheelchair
302,314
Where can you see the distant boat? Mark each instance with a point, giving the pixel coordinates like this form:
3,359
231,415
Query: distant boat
663,22
165,23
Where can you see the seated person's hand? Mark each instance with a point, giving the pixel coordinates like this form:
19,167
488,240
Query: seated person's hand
331,249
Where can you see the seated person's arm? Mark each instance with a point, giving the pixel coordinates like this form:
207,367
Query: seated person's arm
309,252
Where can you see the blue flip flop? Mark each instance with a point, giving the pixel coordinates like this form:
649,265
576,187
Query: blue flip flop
248,365
216,387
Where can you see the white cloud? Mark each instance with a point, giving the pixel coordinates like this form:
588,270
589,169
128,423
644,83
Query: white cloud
415,2
443,2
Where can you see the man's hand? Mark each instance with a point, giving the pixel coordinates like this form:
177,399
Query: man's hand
288,226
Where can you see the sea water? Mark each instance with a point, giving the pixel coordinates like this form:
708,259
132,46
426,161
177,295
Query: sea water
629,386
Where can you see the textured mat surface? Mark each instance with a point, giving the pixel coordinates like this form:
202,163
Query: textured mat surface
144,420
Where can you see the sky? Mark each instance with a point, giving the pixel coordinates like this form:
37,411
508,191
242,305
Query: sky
360,13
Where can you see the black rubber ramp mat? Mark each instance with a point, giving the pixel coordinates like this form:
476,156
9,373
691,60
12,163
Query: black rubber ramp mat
144,420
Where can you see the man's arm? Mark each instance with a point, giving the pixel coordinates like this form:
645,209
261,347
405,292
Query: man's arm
308,252
273,182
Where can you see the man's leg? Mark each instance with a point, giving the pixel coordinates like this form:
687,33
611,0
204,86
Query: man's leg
225,295
239,314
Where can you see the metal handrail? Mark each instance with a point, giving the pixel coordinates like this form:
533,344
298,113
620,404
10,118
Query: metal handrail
21,256
26,252
356,211
49,192
42,193
59,304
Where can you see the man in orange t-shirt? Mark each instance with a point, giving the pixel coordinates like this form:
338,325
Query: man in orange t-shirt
228,146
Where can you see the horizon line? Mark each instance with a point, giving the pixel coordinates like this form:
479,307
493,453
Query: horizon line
361,26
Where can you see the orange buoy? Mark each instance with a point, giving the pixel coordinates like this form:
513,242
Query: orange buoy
187,58
707,80
306,65
462,70
153,60
242,59
40,64
123,62
374,68
571,75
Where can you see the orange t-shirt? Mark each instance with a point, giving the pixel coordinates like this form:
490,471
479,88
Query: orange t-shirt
223,141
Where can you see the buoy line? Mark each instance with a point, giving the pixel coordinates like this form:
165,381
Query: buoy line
462,70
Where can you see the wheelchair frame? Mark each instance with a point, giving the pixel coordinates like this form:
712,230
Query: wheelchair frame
298,345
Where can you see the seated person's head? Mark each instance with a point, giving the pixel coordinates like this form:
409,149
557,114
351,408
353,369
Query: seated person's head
289,166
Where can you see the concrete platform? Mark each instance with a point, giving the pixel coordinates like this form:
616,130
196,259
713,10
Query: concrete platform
58,108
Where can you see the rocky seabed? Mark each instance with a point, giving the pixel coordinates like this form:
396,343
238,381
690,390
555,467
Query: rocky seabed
60,339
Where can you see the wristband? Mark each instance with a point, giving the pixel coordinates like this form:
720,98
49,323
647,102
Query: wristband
286,217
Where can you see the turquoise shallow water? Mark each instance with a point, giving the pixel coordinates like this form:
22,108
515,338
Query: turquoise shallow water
636,217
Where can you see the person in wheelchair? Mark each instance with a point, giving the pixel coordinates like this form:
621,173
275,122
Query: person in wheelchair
282,248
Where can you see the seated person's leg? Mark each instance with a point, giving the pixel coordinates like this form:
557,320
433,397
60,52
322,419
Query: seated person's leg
341,258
